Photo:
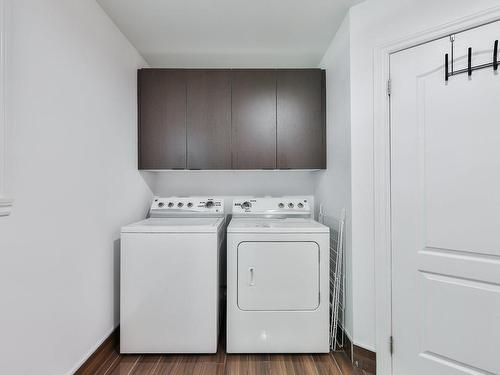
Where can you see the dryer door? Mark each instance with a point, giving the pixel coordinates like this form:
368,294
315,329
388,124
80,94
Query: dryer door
278,276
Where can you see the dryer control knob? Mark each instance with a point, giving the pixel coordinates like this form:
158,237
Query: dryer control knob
246,205
209,204
281,205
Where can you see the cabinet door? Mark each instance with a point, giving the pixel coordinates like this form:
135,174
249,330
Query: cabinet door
209,119
254,119
162,119
301,122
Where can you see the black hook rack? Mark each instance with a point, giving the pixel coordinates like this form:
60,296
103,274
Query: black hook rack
470,68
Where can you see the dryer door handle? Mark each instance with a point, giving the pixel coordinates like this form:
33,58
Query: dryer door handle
251,276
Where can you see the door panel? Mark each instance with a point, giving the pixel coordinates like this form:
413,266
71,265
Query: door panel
209,119
162,119
254,119
443,308
459,171
301,119
278,276
445,163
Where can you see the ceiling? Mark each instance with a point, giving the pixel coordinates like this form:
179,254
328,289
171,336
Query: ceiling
229,33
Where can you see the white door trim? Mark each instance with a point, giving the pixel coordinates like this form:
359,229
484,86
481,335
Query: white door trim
382,167
5,203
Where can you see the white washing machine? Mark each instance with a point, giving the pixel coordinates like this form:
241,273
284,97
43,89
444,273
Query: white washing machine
277,278
170,278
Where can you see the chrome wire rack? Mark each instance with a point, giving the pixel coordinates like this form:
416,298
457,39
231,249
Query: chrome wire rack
337,277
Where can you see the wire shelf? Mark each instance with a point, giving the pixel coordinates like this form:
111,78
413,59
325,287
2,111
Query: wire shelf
337,277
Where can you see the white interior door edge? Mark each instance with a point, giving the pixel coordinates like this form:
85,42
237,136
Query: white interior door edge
382,216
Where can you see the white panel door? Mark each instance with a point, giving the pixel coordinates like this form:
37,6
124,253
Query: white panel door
446,209
277,276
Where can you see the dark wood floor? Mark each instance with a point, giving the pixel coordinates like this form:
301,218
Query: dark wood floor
229,364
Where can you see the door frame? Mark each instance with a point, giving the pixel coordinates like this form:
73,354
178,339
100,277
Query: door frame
382,170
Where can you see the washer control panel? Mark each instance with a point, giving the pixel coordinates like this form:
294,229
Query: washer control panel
286,206
164,207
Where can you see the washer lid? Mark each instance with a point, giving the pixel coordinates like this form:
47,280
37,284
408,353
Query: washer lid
176,225
288,225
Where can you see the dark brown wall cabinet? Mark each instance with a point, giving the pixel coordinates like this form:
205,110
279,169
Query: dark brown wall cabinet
162,119
209,119
301,119
232,119
254,119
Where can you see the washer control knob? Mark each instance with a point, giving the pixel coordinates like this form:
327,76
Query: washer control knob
209,204
161,204
190,204
180,204
281,205
246,205
170,205
290,205
300,205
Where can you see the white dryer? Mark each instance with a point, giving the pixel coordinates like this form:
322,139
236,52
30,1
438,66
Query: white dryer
277,278
169,291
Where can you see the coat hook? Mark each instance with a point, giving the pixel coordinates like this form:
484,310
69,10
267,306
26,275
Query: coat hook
495,56
469,69
446,75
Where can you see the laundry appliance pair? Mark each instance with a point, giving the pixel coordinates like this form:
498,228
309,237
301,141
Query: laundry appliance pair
277,277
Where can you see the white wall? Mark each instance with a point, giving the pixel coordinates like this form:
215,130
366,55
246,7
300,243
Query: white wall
71,167
233,183
333,186
374,23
